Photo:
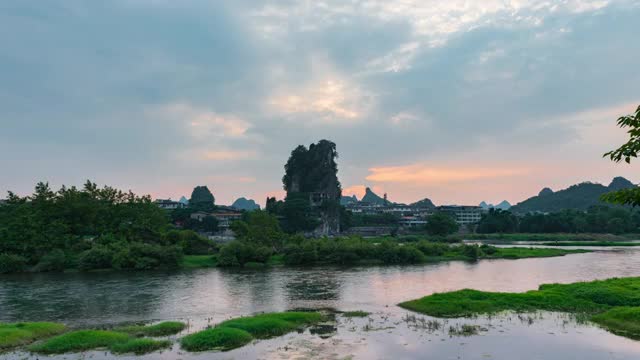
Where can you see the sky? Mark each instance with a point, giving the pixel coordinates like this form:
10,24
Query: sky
457,101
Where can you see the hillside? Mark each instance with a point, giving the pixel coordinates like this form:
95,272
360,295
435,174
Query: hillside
371,198
424,203
245,204
580,197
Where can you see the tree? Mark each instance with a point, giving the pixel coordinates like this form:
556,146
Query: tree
441,224
625,152
298,214
202,199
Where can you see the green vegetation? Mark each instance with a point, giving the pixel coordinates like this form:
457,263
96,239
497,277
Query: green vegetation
594,220
139,346
608,300
441,224
629,150
219,338
17,334
81,340
162,329
511,238
199,261
590,243
356,313
238,332
623,321
89,229
523,253
273,324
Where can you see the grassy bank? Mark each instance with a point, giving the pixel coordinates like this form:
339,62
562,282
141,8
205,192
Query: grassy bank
238,332
550,237
18,334
198,261
119,340
613,303
590,243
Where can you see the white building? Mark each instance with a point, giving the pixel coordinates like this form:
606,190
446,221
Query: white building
464,215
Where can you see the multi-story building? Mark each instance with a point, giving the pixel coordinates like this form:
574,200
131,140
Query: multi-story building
169,204
464,215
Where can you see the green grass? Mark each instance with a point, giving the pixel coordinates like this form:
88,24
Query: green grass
17,334
623,321
550,237
139,346
238,332
198,261
523,253
272,324
81,340
162,329
219,338
600,298
356,313
589,243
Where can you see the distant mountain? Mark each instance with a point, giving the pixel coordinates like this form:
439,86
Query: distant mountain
371,198
424,203
245,204
580,197
184,200
346,200
504,205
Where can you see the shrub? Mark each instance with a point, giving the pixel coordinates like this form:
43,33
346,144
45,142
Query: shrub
162,329
238,253
10,263
471,251
12,335
98,257
53,261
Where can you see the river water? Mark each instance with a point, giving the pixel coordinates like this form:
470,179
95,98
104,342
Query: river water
206,296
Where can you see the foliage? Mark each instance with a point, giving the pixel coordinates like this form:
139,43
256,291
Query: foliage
162,329
615,303
441,224
16,334
239,253
298,214
191,242
91,227
497,221
219,338
313,170
624,321
81,340
272,324
139,346
199,261
260,228
202,199
356,313
12,263
632,147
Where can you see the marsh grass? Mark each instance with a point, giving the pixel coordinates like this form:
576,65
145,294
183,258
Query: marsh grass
356,313
615,300
81,340
139,346
198,261
238,332
623,321
162,329
219,338
523,253
464,330
18,334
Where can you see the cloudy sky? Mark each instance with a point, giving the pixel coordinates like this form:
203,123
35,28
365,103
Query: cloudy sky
458,101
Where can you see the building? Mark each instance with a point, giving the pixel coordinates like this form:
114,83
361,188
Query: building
464,215
225,216
169,204
412,221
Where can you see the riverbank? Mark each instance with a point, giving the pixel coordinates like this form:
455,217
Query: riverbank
519,237
612,303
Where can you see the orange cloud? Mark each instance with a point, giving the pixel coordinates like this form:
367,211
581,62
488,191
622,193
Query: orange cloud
229,155
425,175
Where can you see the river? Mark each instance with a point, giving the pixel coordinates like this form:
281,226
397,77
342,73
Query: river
207,296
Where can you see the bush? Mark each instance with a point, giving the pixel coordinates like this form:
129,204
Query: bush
238,253
53,261
216,339
10,263
98,257
471,251
82,340
432,249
